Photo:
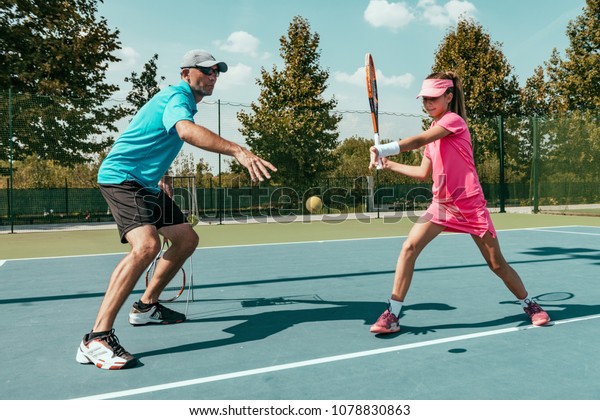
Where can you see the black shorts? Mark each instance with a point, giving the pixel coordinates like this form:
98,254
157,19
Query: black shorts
132,206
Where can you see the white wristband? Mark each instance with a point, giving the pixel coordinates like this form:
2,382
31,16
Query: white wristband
388,149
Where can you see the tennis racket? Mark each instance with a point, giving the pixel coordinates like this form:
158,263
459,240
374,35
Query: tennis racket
193,220
373,99
176,286
553,297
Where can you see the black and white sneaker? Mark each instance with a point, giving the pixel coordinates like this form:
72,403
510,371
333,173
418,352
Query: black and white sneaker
105,352
155,314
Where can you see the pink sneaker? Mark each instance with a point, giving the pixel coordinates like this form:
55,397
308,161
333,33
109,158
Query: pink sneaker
536,313
387,323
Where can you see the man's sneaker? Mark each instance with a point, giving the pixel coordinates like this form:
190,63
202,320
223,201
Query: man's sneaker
387,323
156,314
105,352
536,313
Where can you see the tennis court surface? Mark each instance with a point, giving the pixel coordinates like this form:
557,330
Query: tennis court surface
290,321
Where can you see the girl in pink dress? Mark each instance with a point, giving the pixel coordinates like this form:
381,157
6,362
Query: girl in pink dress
458,204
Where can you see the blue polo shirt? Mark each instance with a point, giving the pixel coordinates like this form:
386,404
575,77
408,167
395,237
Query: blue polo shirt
147,148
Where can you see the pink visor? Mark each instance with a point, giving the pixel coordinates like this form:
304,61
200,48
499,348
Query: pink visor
433,88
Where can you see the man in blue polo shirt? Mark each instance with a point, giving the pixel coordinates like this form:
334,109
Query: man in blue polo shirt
130,180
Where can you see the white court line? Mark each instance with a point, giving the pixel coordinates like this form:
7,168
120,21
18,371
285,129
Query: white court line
566,232
2,262
322,360
540,229
215,247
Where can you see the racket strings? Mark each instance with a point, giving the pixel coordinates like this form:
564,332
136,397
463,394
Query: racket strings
180,276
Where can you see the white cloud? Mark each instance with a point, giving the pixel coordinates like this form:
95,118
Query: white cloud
381,13
237,75
447,14
129,58
395,15
240,42
403,81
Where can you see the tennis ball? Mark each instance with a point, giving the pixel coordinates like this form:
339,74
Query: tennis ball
193,220
314,204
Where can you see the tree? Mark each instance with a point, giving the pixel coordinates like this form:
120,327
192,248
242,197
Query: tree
292,125
204,177
575,81
34,172
353,157
489,85
183,165
566,94
145,86
535,97
54,58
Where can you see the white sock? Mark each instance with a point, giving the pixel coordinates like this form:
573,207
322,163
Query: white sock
525,302
396,307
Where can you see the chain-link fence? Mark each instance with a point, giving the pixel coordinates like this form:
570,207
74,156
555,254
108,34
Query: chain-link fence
529,161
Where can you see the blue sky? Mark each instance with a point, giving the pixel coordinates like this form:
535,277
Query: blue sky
402,36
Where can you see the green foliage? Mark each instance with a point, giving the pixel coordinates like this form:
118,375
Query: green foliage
35,172
353,158
145,86
572,83
490,87
575,80
54,59
571,147
183,165
566,95
535,98
292,125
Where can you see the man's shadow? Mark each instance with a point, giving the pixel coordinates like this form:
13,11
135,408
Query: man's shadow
254,327
591,254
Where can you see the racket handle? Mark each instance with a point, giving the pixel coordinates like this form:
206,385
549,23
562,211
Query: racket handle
377,143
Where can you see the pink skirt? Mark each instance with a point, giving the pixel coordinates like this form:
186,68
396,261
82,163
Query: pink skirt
466,215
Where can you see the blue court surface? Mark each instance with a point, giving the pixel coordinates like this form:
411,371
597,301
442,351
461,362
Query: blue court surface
291,321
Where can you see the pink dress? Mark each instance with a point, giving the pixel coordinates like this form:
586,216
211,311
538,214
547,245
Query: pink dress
458,202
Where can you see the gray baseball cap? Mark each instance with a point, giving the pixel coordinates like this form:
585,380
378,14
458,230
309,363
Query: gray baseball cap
201,58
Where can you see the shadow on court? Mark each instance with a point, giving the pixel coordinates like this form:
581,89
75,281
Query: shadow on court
286,304
263,325
260,326
557,312
567,253
572,253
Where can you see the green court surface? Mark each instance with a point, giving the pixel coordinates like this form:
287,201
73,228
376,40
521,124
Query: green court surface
282,312
595,212
85,242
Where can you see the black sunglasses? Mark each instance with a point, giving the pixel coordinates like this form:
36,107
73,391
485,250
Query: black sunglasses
208,71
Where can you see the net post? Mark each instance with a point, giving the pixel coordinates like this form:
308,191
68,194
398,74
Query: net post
501,159
376,189
66,196
535,169
220,192
10,162
370,194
